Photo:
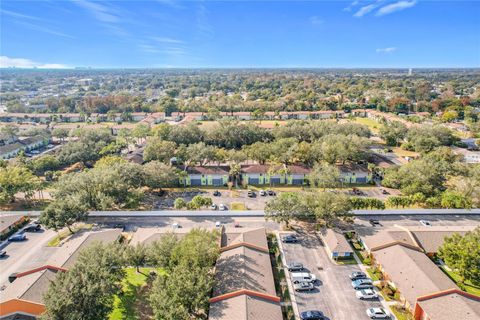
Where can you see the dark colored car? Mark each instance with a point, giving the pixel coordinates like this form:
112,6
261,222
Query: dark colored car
385,191
270,192
34,227
18,237
374,222
3,253
251,194
216,193
312,315
119,226
357,275
289,239
294,266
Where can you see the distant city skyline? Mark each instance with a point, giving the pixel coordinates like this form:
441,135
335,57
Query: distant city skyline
239,34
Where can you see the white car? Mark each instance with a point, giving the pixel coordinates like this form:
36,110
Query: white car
213,207
378,313
35,152
262,193
175,225
366,294
425,223
218,224
222,207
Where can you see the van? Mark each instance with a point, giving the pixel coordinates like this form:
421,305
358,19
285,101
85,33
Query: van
298,277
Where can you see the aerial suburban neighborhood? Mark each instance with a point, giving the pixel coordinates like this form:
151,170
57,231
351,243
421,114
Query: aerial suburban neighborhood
239,160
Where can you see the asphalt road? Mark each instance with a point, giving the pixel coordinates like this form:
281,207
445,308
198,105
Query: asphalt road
334,295
27,254
132,223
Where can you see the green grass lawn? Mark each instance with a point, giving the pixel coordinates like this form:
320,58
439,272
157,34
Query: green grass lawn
237,206
124,304
372,275
468,286
55,241
370,123
400,313
346,261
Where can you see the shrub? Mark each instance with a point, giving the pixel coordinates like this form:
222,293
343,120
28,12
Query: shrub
179,203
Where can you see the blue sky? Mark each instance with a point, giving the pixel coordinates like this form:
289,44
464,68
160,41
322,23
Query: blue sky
169,33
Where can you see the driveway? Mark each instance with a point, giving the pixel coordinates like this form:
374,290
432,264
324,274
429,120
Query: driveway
334,295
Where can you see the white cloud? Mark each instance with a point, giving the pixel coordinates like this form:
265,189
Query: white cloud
7,62
18,15
100,12
364,10
315,20
167,40
397,6
386,50
351,5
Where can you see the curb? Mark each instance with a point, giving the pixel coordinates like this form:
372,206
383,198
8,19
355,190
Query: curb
287,278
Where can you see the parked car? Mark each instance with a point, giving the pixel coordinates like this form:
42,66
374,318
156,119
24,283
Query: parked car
374,222
237,224
271,192
298,277
216,193
385,191
214,207
312,315
218,224
222,207
377,313
357,192
357,275
3,253
119,226
362,284
294,266
32,228
303,286
35,152
250,194
366,294
425,223
175,225
18,237
262,193
289,239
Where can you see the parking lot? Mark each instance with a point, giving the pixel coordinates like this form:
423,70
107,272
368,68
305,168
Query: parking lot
333,295
24,255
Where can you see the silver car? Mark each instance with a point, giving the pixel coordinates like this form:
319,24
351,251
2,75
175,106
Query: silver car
303,286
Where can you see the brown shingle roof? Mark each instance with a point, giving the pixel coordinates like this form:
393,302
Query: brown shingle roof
412,272
244,285
452,305
223,170
245,307
335,241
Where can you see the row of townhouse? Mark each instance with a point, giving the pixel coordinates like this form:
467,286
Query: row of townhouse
269,115
287,115
259,174
11,150
403,255
150,118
